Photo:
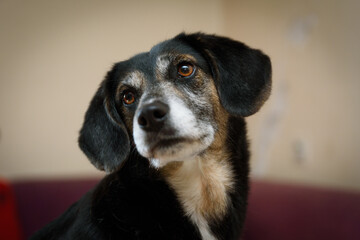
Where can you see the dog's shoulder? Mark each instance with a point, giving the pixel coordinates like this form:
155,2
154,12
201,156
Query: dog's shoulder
133,203
136,203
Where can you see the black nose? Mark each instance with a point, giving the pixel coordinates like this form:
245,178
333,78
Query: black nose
152,116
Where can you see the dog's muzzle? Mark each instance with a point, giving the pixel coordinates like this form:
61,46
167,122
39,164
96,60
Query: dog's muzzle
152,116
169,131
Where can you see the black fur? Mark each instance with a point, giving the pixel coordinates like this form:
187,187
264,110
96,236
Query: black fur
135,201
103,137
242,74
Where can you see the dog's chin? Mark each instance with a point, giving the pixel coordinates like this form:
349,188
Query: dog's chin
162,152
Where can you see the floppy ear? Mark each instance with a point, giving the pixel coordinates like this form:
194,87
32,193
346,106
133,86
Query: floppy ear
103,136
242,74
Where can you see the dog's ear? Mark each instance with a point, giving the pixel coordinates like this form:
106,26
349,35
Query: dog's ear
103,136
242,74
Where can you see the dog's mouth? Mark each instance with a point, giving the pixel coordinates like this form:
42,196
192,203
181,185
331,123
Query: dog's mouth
176,149
167,144
162,148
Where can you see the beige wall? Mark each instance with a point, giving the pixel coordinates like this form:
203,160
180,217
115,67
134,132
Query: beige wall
54,55
309,130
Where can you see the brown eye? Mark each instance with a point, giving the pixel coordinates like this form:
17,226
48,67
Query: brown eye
128,97
185,69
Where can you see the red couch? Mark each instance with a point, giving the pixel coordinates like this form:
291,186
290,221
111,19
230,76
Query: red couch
276,211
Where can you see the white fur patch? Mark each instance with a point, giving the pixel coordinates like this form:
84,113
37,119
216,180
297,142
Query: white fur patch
182,118
162,63
134,79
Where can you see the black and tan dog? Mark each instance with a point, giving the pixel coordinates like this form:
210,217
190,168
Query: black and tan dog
167,125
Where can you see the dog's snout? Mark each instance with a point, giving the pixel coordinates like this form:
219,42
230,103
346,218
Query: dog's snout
152,116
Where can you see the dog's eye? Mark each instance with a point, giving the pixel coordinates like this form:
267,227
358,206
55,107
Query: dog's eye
185,69
128,97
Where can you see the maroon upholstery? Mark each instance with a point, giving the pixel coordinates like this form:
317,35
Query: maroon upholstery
276,211
9,223
41,201
279,211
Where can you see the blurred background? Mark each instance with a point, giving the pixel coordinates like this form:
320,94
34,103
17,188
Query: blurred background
53,55
304,141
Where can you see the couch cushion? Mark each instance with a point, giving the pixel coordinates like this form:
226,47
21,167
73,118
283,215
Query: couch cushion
280,211
40,201
9,223
276,211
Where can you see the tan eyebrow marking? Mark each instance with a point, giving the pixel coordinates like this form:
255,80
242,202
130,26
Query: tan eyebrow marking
185,57
135,79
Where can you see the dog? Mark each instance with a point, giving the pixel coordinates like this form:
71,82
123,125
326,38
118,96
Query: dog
168,127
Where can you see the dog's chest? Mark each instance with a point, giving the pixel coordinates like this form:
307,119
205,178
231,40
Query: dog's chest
202,186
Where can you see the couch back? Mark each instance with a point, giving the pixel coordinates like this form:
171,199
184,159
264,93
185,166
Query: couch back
275,212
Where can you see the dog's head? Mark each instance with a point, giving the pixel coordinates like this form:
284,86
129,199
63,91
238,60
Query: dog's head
171,103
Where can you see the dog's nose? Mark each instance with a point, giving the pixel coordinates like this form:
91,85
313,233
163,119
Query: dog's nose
152,116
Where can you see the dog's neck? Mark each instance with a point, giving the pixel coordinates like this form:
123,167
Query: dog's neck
202,185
